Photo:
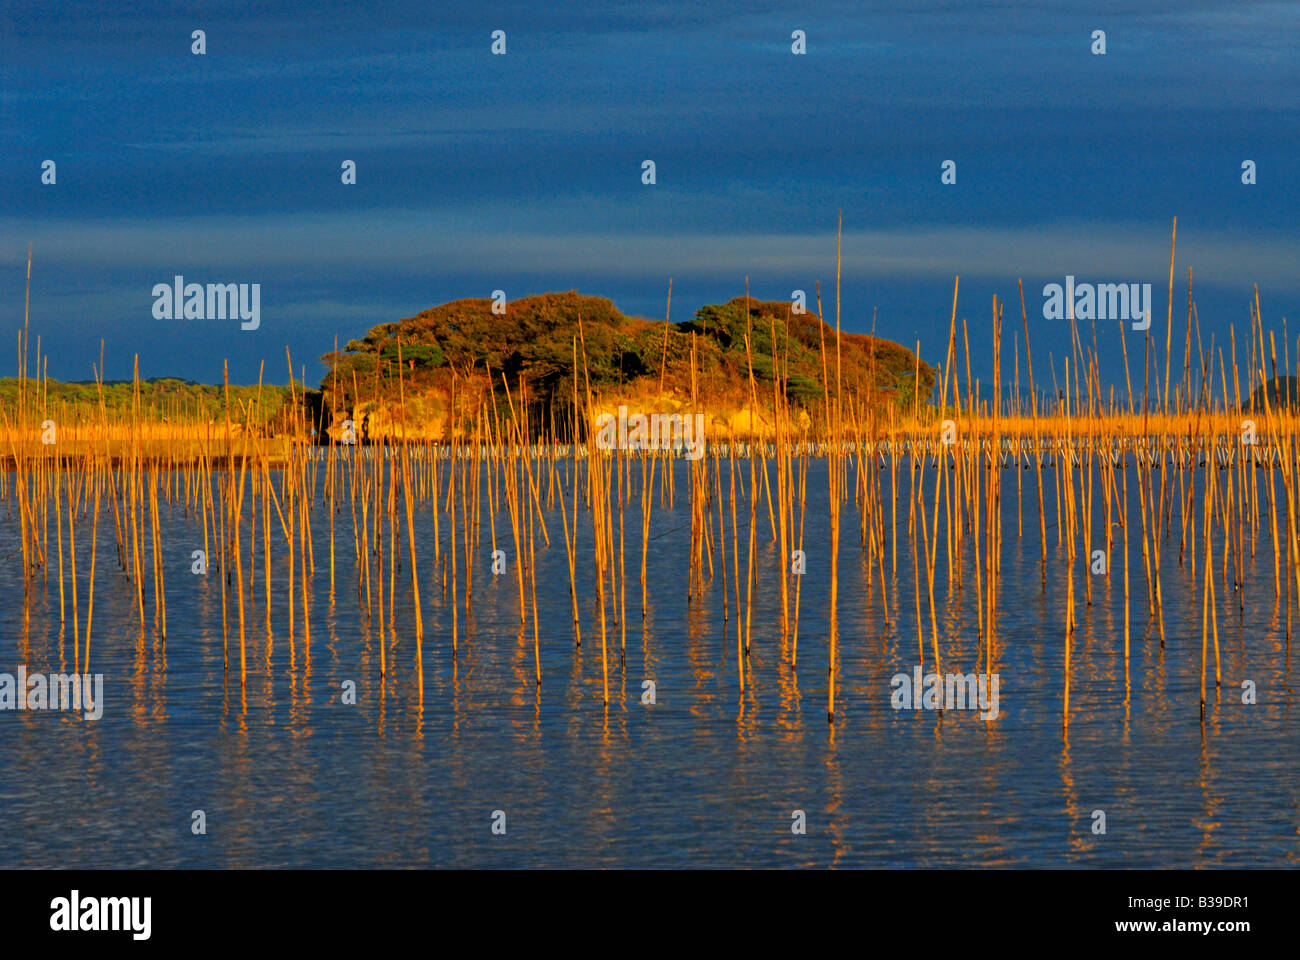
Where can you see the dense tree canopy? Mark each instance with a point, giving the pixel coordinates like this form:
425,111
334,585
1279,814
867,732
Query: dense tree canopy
535,337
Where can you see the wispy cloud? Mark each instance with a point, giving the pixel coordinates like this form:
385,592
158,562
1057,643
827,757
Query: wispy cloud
418,243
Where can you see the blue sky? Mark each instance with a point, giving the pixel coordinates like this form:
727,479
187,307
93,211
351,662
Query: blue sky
523,172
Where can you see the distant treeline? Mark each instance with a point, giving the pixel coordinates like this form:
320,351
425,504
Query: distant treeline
161,398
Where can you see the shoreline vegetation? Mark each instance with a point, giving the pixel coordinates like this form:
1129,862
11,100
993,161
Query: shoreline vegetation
472,425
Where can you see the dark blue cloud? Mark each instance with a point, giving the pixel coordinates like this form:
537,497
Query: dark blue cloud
523,172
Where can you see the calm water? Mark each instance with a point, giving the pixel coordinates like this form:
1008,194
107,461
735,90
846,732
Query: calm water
290,776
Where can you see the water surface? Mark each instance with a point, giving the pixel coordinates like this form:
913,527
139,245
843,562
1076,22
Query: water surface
289,775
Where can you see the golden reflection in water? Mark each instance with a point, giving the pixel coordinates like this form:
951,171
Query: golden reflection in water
300,706
526,688
1108,589
365,653
1280,645
520,667
1126,729
159,682
537,713
701,660
952,627
456,706
26,636
417,735
604,823
1161,681
268,673
237,781
649,649
139,710
1078,836
788,719
293,655
835,820
308,596
1210,802
574,713
994,830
